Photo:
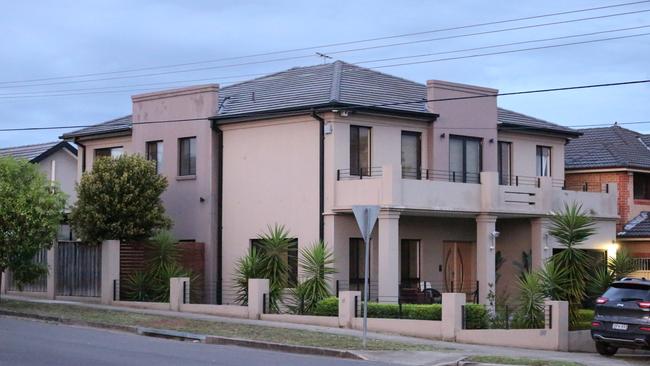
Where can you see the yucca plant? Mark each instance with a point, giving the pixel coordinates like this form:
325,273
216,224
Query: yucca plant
621,265
554,281
317,264
571,228
248,266
599,281
137,287
164,252
530,314
276,249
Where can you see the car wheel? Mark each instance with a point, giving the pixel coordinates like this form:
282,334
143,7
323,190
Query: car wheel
605,349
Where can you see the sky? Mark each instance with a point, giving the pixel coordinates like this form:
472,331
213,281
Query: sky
46,41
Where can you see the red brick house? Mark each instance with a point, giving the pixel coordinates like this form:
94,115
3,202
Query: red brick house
616,155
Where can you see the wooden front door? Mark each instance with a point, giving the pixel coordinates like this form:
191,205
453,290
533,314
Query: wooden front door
459,266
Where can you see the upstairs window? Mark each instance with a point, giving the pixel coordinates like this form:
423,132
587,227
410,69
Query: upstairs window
641,186
109,152
187,156
543,161
411,154
464,159
359,150
504,162
155,153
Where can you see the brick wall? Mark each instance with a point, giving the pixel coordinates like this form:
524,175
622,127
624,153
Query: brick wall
595,181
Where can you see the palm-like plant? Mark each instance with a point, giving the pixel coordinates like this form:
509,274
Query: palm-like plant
554,281
276,247
599,281
531,302
248,266
317,264
164,252
571,228
622,264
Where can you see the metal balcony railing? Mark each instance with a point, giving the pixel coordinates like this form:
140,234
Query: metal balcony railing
360,173
441,175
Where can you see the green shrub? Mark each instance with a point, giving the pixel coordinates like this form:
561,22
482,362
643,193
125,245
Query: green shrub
476,317
409,311
326,307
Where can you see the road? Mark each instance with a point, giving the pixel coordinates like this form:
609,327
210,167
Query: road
33,343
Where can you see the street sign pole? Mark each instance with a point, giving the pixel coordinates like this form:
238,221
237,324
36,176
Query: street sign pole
366,217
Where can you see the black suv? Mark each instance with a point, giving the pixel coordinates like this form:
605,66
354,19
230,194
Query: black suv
622,318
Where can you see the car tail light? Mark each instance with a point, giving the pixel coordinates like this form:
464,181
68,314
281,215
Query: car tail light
645,329
644,304
595,324
602,300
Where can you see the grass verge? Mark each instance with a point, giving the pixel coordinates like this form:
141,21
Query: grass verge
232,330
520,361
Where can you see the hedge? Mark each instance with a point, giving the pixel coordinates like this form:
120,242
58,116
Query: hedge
476,315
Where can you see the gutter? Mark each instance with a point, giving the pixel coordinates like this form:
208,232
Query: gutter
321,174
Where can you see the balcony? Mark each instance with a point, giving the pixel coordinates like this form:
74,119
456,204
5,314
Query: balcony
443,191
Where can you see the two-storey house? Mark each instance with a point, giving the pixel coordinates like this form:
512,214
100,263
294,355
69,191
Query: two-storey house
465,188
617,155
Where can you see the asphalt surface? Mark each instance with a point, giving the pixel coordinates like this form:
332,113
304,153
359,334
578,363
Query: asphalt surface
32,343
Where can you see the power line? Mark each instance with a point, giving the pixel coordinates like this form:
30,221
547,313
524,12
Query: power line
92,92
310,55
424,100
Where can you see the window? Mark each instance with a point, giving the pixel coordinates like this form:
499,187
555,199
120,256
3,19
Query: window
543,161
155,153
109,152
411,155
359,150
410,263
464,159
641,186
187,156
357,263
291,258
504,161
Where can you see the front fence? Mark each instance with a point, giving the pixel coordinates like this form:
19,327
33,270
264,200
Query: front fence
479,316
38,285
417,291
78,269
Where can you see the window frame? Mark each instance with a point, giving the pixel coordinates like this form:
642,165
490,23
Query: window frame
190,173
646,186
465,139
155,143
418,173
360,171
500,163
538,160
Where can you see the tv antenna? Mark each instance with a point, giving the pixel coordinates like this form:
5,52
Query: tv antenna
323,56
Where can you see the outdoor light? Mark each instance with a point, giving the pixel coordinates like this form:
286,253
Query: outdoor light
545,241
442,135
494,235
612,249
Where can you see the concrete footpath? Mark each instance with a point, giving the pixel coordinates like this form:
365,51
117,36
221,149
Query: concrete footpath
450,354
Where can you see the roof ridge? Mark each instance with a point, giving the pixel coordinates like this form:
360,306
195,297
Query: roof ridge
335,90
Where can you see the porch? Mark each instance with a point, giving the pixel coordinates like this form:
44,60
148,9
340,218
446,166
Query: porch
414,257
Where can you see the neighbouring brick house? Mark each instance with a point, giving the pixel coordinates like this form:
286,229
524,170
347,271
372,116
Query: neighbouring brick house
614,154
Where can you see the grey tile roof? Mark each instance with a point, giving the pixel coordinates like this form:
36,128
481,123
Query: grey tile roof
116,125
517,120
36,152
336,83
608,147
638,227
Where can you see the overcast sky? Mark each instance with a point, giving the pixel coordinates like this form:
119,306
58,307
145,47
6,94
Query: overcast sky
54,39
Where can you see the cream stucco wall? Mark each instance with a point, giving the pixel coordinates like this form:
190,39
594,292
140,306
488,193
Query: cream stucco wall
65,172
524,153
271,175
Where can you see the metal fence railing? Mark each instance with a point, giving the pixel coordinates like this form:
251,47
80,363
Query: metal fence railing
519,180
510,316
360,173
595,187
441,175
38,285
417,291
642,264
78,269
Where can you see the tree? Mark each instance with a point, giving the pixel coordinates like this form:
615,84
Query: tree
571,228
120,199
31,209
317,264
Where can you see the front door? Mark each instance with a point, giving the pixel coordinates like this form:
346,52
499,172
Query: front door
459,272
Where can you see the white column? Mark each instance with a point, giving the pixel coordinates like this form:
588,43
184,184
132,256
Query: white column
110,270
51,271
388,255
485,256
540,242
257,288
452,315
347,307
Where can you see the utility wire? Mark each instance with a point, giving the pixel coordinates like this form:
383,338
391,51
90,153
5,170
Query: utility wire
380,105
306,56
89,91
